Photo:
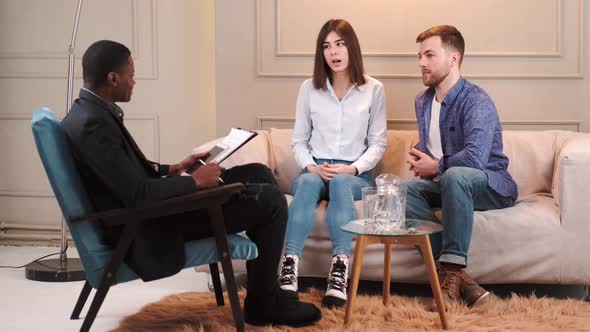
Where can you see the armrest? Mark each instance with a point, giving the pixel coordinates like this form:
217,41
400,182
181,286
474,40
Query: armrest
198,200
572,185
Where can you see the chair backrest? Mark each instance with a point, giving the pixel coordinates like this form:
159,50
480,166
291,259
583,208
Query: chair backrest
67,186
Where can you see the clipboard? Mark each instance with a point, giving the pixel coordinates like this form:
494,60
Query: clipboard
231,143
234,141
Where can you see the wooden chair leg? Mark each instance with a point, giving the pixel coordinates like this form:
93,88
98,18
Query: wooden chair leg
359,248
216,216
216,283
99,297
232,292
387,273
433,276
109,275
81,300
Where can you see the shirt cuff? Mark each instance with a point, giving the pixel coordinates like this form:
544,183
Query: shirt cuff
441,165
307,161
360,167
163,170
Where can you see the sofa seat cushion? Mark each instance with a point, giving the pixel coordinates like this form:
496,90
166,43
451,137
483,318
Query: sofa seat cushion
527,235
524,235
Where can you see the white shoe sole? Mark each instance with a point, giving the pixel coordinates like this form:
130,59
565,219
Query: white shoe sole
480,300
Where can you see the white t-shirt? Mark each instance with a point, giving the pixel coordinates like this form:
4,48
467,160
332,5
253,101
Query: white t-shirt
434,145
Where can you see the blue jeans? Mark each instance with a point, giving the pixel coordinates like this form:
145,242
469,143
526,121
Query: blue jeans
460,191
308,189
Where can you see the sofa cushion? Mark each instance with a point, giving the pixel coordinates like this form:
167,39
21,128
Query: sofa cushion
531,154
498,236
532,160
395,158
285,166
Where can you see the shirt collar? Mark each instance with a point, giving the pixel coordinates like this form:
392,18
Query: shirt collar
111,107
454,92
361,88
451,96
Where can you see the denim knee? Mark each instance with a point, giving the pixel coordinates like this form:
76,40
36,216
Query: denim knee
413,186
461,176
341,182
307,180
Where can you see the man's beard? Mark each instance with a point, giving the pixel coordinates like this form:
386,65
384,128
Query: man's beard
434,79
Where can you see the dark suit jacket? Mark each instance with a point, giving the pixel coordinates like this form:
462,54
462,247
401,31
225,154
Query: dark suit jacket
116,174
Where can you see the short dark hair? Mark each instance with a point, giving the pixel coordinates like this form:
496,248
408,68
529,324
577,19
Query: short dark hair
101,58
321,70
449,36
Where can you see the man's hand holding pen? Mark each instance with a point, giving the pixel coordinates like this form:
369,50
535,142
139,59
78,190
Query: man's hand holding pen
188,164
207,175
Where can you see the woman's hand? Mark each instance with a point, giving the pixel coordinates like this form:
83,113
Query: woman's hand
327,171
319,171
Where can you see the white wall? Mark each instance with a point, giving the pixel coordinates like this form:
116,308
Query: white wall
172,108
528,54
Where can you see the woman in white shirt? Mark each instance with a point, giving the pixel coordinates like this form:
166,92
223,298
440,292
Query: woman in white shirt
339,136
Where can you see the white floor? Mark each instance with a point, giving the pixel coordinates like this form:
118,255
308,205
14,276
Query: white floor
27,305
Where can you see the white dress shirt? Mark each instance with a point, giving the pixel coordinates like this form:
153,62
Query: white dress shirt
352,129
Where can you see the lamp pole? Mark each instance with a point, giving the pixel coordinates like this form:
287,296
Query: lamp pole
62,269
69,99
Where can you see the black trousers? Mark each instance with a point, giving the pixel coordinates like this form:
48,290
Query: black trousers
261,211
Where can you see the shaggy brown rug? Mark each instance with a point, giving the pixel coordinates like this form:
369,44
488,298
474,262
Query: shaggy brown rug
188,312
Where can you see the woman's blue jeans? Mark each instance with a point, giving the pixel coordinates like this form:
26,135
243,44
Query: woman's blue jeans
460,191
341,192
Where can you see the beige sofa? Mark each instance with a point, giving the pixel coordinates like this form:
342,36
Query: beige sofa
544,238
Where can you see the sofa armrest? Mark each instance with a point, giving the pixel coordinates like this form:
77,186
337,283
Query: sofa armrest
572,186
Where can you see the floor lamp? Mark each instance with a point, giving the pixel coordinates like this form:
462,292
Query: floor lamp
62,268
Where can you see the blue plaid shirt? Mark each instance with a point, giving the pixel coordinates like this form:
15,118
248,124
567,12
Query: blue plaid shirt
471,133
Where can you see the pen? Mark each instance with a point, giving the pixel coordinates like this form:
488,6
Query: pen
203,163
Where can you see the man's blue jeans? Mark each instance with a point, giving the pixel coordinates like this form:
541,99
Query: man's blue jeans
460,192
308,189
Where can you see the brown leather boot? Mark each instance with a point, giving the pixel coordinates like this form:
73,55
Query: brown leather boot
472,293
450,285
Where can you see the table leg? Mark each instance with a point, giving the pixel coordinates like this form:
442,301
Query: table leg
433,276
387,273
361,244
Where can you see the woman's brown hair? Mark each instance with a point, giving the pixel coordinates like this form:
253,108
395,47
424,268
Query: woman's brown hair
321,70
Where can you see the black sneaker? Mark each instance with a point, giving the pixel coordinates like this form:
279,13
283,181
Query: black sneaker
284,308
337,283
289,272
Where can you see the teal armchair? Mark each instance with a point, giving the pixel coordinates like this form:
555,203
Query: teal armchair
104,264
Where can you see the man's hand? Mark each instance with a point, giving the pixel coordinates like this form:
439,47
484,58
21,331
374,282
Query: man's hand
328,171
187,163
207,176
422,164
